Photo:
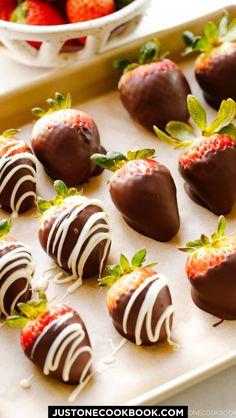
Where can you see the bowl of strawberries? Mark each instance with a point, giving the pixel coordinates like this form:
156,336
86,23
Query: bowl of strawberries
54,33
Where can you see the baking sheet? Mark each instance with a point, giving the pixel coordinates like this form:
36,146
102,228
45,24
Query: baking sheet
137,370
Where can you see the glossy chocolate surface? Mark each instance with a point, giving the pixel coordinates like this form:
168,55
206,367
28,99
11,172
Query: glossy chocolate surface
38,356
218,81
211,180
91,267
215,291
157,98
148,203
65,152
163,300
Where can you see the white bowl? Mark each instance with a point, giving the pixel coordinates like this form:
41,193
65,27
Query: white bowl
97,32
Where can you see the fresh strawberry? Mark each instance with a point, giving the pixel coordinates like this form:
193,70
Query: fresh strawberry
63,140
53,338
36,12
137,298
208,162
154,89
17,174
215,67
6,8
84,10
211,269
133,189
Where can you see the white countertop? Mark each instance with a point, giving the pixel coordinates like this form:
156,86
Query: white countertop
218,393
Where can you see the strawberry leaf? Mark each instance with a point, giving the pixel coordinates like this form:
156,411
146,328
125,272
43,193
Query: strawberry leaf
5,227
27,310
189,38
43,205
221,227
201,45
180,130
57,103
107,281
174,142
197,112
60,188
10,133
138,154
223,26
138,259
17,321
230,36
150,52
211,32
121,64
229,130
225,116
124,264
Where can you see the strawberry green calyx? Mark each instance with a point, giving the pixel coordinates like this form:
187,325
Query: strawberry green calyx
181,135
28,311
10,133
213,36
113,161
150,52
58,103
20,13
5,227
62,191
125,267
213,242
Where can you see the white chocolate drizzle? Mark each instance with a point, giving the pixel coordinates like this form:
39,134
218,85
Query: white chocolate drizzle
72,334
90,233
157,282
19,259
15,164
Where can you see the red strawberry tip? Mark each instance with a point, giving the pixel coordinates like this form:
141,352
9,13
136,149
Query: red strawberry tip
116,272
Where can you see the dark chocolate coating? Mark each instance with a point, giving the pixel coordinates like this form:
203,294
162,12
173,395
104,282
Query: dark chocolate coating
26,186
18,285
65,151
157,98
148,203
162,302
215,290
211,180
91,267
218,81
47,340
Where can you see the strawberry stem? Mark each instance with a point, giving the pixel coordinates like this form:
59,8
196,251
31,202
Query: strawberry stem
115,272
113,161
57,103
62,192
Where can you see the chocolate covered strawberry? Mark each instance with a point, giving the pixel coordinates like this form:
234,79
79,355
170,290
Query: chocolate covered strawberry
208,162
75,232
144,191
17,270
154,89
17,174
211,269
215,68
55,339
139,301
63,140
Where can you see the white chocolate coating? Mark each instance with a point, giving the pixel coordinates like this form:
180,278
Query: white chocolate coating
14,259
72,206
14,163
158,282
72,333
